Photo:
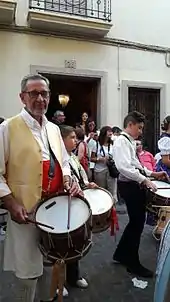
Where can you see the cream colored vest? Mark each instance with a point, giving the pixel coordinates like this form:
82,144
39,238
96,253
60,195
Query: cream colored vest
24,167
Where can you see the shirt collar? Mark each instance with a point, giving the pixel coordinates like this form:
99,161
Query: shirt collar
128,135
30,121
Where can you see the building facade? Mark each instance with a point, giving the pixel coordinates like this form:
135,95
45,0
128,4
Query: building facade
122,47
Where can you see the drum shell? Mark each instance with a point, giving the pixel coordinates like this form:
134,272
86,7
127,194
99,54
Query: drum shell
101,222
157,200
68,246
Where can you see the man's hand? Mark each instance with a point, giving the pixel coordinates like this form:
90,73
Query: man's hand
17,211
150,185
73,188
92,185
161,176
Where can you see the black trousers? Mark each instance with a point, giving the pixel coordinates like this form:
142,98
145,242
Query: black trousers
134,196
72,273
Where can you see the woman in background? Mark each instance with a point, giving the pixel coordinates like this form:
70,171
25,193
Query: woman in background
164,146
81,150
90,139
84,118
100,156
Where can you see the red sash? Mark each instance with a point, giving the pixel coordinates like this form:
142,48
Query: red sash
55,184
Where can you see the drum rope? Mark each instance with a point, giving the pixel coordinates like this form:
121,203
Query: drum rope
85,231
70,242
51,244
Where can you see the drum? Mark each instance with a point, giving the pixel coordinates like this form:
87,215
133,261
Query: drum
61,243
163,218
163,267
162,196
101,203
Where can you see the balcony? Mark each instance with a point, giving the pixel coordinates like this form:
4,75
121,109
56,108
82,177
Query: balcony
82,17
7,11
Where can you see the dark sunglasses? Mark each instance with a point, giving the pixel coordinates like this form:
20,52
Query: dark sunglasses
34,94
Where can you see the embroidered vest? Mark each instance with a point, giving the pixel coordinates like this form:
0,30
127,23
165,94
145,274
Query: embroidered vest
25,167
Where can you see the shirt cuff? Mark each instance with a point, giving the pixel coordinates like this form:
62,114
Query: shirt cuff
4,190
148,172
66,171
141,178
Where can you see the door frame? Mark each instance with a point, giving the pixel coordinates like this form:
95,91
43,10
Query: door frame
87,73
140,84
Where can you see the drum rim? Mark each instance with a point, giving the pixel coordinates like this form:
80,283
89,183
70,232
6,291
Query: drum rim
58,195
100,188
113,202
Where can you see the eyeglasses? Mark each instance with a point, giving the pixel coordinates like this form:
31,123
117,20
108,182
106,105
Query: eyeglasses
34,94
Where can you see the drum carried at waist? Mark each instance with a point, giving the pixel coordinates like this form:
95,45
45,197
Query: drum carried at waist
162,196
159,205
63,243
101,204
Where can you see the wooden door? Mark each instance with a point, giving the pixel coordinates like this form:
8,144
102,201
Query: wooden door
147,101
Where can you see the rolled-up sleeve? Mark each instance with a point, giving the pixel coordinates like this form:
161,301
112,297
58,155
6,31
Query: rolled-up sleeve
65,159
122,158
4,153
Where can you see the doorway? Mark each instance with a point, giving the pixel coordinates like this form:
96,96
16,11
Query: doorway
147,101
82,92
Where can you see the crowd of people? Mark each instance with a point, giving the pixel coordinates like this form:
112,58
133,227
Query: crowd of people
38,158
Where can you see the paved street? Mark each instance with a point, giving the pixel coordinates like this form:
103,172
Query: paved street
108,282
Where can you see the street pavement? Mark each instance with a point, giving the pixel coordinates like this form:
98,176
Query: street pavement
108,282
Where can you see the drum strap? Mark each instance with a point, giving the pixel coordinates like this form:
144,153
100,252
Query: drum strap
79,177
141,171
53,161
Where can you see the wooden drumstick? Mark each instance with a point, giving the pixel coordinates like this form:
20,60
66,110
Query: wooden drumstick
69,208
40,223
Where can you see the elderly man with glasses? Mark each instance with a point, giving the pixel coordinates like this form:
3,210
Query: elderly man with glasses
27,142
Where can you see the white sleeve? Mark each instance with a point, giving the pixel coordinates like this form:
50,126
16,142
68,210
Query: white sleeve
164,145
65,158
122,158
4,154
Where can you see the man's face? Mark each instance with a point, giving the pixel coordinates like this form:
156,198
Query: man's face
135,129
36,97
61,118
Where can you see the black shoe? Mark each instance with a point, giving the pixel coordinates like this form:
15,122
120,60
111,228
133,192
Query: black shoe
140,271
120,261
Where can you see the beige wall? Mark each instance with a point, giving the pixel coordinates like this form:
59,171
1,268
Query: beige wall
19,51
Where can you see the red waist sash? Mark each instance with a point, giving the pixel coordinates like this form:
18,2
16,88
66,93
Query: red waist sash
55,184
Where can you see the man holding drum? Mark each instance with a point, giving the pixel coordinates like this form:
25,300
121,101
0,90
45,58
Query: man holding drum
132,185
28,143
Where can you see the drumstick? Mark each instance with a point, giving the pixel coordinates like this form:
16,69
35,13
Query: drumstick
69,208
40,223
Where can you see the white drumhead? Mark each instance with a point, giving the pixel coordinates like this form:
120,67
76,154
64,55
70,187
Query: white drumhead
161,184
57,215
100,201
162,192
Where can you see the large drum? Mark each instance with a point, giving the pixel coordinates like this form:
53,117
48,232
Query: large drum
61,243
162,196
163,219
163,267
101,203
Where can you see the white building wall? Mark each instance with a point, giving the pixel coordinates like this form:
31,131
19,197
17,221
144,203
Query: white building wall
19,51
135,20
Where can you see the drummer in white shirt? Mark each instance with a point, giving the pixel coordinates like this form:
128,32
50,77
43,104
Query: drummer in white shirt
69,137
132,185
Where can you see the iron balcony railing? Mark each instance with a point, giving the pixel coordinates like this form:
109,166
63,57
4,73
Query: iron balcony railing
95,9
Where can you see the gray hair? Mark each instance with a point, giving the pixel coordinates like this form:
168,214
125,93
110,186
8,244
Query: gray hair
33,77
58,112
